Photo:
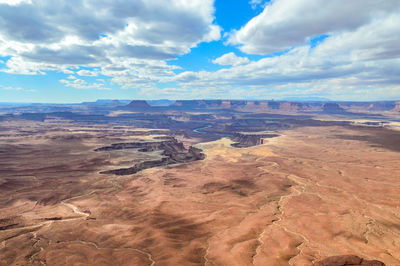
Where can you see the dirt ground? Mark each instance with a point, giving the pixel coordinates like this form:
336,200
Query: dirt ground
311,193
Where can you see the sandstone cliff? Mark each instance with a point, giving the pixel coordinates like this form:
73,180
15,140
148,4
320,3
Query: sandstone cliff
173,152
332,108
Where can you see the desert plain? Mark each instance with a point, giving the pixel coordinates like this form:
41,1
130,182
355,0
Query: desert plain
296,195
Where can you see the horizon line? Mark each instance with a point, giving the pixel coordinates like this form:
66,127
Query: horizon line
175,100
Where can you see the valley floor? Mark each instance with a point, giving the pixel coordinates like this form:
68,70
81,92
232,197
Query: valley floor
311,193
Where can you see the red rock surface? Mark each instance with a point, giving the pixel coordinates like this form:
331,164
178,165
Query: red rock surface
348,260
309,194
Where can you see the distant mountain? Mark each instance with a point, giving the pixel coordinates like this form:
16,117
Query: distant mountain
242,105
162,102
382,106
306,99
332,108
104,106
107,102
138,104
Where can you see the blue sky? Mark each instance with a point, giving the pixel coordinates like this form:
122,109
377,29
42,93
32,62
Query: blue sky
198,49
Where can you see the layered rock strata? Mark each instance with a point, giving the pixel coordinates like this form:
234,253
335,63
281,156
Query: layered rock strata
173,152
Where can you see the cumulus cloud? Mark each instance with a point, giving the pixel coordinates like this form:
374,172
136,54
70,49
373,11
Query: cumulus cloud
138,73
14,2
88,73
42,35
360,54
287,23
359,61
82,84
231,59
67,71
132,41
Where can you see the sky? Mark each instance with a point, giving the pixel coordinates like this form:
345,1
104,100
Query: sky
65,51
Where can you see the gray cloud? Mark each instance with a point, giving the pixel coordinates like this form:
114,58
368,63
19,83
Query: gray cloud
71,55
19,23
145,52
44,35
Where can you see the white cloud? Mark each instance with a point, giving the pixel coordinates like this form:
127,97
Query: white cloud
230,59
14,2
367,59
361,55
64,35
82,84
88,73
16,65
138,73
132,41
67,71
287,23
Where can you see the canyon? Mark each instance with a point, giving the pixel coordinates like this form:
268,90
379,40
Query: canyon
200,183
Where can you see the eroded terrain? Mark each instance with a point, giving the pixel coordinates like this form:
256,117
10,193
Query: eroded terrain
288,193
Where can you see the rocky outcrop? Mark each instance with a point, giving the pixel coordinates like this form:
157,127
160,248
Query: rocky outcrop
332,108
347,260
197,104
138,104
243,105
271,105
397,107
173,152
293,106
247,140
144,146
214,104
381,106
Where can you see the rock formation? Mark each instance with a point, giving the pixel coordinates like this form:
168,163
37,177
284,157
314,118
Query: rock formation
347,260
248,140
332,108
397,107
173,152
381,106
286,106
138,104
293,106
